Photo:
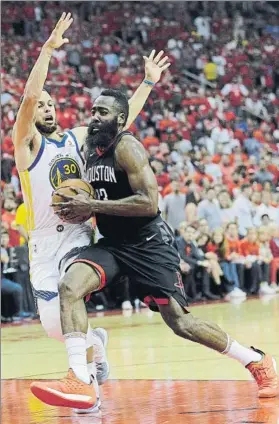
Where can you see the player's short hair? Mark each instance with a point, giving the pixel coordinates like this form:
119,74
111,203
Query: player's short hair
120,99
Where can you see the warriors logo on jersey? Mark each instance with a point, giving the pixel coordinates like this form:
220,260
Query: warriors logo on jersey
63,168
56,161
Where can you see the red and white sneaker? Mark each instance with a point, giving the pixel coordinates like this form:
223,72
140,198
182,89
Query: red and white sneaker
265,374
69,392
96,407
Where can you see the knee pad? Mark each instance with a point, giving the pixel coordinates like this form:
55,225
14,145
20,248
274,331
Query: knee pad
50,317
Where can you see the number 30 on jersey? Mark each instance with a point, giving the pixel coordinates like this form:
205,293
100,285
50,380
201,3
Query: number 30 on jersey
101,194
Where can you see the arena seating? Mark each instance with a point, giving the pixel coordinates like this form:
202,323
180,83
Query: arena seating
210,126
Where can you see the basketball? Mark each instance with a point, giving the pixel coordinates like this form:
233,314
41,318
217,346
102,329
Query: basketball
66,188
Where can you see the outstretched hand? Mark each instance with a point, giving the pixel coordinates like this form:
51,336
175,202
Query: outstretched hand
155,65
56,39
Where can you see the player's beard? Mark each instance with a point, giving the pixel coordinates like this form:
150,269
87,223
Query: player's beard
46,129
105,135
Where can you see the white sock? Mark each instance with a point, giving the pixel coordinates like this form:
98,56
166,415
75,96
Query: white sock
89,338
241,353
76,348
91,368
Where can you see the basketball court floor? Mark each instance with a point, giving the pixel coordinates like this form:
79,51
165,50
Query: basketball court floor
156,377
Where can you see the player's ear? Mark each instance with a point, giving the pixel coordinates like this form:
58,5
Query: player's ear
121,119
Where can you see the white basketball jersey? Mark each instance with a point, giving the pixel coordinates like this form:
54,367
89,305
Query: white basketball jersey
56,161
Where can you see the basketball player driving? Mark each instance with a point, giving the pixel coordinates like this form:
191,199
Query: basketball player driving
138,243
44,158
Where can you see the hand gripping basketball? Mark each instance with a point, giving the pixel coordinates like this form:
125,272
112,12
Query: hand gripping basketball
72,201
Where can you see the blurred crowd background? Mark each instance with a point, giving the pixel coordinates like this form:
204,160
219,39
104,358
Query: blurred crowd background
210,128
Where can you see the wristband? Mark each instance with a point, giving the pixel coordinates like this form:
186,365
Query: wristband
149,82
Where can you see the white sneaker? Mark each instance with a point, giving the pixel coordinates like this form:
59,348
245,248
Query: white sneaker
236,292
266,289
127,306
275,287
241,292
237,300
137,303
227,297
100,337
100,307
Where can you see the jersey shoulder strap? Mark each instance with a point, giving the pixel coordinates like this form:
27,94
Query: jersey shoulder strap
115,143
120,135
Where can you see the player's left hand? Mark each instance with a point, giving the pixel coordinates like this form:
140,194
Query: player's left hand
79,205
155,65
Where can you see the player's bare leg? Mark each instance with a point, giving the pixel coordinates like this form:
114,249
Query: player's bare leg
78,281
262,366
96,339
75,390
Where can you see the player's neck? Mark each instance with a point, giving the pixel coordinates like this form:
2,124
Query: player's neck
56,135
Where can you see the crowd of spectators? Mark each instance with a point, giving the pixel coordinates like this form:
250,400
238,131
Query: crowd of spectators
210,126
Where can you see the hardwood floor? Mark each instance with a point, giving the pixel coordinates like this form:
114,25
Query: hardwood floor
156,377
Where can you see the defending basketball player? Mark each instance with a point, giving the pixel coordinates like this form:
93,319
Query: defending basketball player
136,242
44,158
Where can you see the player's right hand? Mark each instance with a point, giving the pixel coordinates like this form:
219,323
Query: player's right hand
56,39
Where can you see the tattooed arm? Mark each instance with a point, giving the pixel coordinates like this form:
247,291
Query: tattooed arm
131,157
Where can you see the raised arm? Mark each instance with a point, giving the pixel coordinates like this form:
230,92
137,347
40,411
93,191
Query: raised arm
154,66
25,135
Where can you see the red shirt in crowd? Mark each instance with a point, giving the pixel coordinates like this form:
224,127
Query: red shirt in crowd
66,119
212,247
9,218
198,177
7,146
274,247
150,141
230,246
81,99
28,12
247,248
233,246
163,179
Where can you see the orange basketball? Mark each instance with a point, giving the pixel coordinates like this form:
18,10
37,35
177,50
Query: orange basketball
66,188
